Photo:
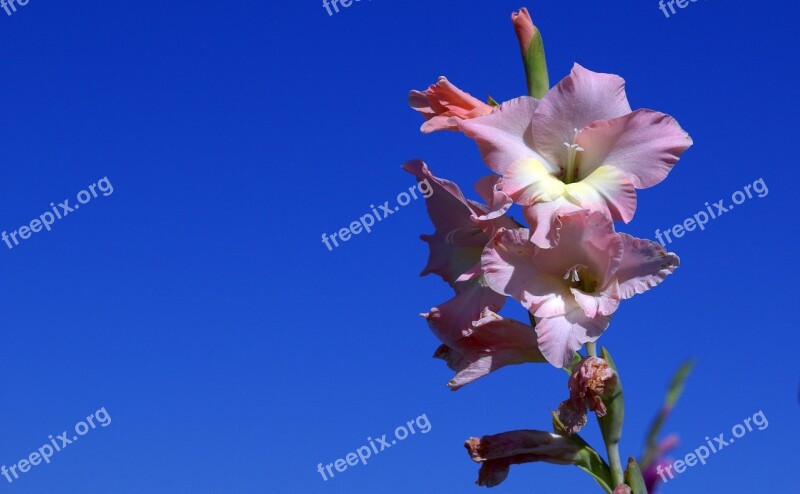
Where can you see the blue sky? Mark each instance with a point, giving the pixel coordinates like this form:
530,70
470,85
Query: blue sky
234,352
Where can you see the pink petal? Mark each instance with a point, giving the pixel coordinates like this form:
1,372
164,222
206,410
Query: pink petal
578,100
497,201
493,343
645,264
471,274
458,242
505,136
561,336
604,303
543,220
451,321
644,144
583,238
442,104
509,268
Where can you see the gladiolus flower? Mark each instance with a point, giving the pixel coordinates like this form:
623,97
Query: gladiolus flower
443,104
579,147
574,287
463,227
476,341
498,452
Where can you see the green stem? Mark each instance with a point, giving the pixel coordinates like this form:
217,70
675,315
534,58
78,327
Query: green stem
591,349
615,463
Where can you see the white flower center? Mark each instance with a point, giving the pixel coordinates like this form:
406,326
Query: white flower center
580,276
571,171
572,273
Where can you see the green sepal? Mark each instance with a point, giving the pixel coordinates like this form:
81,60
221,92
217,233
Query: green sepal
536,67
634,478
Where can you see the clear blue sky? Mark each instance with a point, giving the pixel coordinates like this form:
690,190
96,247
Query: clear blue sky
234,352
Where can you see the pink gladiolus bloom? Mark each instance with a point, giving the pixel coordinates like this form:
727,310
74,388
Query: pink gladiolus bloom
574,287
443,104
580,147
476,341
498,452
463,227
452,322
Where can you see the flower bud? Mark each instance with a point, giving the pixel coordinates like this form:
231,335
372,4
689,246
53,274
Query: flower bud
532,49
443,104
523,26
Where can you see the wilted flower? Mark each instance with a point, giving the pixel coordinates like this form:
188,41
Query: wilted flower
580,147
443,104
498,452
591,381
574,287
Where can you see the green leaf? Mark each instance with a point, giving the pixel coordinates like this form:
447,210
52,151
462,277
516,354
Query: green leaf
491,101
536,67
634,478
674,392
588,459
678,383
